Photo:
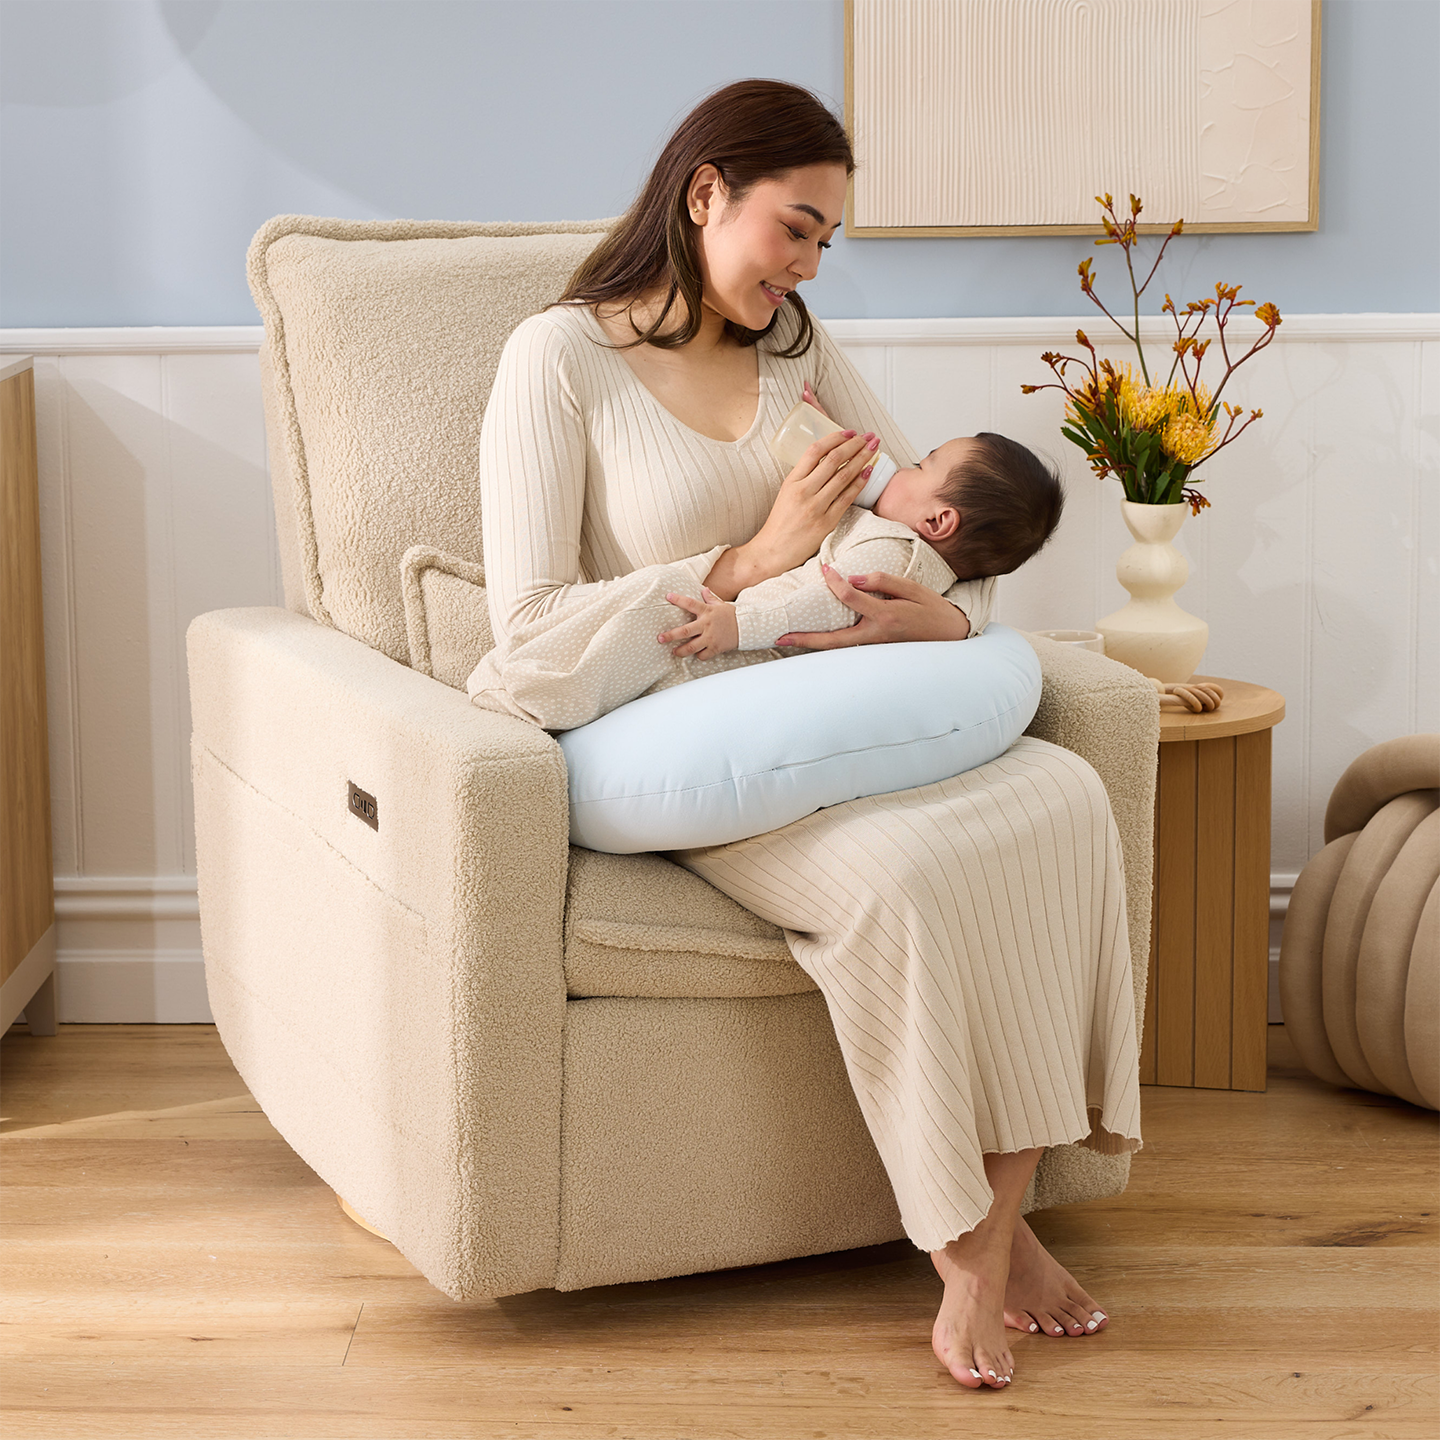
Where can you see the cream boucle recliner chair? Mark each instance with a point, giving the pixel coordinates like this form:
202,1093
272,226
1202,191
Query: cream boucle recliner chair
527,1065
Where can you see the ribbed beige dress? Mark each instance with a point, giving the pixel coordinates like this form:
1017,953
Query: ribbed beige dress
969,936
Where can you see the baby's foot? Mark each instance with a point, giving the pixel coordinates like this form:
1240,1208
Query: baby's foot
969,1334
1042,1296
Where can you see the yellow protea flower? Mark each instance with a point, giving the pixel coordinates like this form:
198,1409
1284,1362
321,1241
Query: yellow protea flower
1142,406
1187,437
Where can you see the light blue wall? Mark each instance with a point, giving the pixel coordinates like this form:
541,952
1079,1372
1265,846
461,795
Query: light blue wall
144,143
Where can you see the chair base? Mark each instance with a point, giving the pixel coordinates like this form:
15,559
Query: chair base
351,1213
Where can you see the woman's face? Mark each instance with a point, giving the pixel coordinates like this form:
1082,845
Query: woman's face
754,253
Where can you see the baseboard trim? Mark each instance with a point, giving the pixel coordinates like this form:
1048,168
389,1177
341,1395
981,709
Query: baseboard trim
129,950
121,987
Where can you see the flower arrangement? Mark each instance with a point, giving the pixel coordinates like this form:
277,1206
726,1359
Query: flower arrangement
1153,437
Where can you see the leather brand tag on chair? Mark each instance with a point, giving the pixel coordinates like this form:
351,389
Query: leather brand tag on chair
362,804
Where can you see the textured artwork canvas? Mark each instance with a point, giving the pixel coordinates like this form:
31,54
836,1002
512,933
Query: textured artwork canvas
1011,115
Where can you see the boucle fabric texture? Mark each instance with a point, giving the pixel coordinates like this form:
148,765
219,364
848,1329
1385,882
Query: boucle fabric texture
587,656
381,339
734,1129
970,938
396,1000
639,926
447,613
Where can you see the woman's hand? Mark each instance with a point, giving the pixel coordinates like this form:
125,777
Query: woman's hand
890,608
812,498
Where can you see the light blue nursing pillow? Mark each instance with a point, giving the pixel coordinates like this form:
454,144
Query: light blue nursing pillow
750,750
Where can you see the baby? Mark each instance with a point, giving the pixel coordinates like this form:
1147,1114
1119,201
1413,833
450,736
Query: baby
974,507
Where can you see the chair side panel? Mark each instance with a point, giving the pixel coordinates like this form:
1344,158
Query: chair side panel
411,970
706,1134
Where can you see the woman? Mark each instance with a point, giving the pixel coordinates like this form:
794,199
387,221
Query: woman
627,428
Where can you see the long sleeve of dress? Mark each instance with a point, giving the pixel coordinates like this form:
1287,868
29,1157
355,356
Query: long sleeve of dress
533,457
801,601
590,653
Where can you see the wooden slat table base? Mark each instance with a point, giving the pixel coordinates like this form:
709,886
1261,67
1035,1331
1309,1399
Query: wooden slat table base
1206,1007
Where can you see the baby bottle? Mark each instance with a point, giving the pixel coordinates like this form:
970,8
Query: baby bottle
803,426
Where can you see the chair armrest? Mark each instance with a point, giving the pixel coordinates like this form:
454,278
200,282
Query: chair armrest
1107,713
394,996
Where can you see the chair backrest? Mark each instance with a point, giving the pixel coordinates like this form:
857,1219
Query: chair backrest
381,344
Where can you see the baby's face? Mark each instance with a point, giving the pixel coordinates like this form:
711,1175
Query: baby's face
913,496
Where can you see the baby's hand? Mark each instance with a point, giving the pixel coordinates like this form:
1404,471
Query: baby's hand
713,631
808,396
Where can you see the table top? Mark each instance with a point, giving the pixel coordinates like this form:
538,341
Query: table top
1244,709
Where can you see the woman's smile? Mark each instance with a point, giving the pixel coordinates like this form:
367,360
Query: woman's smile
773,293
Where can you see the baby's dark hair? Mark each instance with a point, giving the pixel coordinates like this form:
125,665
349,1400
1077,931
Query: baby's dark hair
1009,501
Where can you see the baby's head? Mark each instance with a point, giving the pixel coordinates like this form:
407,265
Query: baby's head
985,503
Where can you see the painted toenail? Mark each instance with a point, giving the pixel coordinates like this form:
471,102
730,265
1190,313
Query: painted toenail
1098,1314
1033,1327
1058,1330
1091,1325
976,1374
993,1375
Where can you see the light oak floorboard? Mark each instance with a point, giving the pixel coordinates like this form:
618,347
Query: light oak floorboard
171,1268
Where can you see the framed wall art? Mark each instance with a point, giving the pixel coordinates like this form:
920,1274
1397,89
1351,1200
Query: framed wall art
1007,117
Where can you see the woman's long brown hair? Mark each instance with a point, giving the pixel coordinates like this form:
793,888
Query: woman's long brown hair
750,131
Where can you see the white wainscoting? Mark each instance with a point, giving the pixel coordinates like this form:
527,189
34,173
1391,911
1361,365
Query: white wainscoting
1317,570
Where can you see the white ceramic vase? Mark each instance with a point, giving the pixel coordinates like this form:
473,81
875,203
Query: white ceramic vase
1152,633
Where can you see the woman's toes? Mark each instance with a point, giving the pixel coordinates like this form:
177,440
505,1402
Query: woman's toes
995,1370
1049,1324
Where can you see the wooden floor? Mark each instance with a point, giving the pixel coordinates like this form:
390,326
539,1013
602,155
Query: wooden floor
170,1268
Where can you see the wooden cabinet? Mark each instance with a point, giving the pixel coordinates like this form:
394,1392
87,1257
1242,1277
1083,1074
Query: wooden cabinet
27,886
1206,1008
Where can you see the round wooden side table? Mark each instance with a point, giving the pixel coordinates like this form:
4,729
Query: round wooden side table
1206,1007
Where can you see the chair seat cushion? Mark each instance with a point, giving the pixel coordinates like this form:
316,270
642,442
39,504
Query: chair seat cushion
749,751
639,926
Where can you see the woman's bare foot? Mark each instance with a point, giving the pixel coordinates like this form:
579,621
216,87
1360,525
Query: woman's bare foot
969,1333
1042,1296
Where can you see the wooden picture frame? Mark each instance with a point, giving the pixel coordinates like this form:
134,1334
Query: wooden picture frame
864,121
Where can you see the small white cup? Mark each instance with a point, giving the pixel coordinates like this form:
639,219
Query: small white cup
1085,639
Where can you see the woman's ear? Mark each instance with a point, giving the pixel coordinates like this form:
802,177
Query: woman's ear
705,193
